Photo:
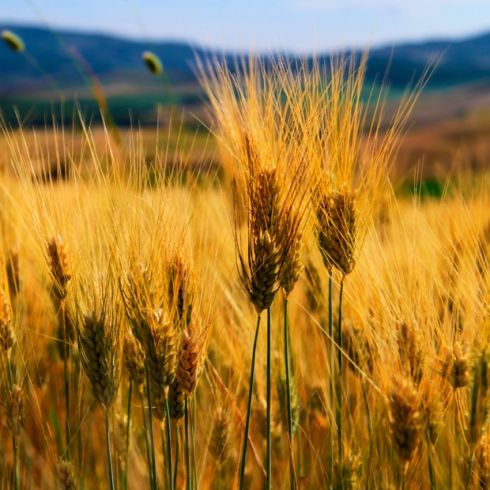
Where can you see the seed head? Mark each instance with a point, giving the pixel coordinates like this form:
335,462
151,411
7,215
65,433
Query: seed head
15,409
261,274
482,457
404,416
293,265
66,331
65,472
357,345
13,274
478,415
347,473
176,400
295,402
190,356
337,228
133,360
160,342
157,334
180,289
152,62
265,198
313,287
100,355
483,251
13,41
455,366
220,436
274,218
431,408
7,339
59,267
263,281
411,353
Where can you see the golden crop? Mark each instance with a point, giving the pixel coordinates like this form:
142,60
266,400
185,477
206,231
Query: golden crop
132,296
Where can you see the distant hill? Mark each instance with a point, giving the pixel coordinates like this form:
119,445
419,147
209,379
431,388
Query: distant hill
460,61
64,58
61,55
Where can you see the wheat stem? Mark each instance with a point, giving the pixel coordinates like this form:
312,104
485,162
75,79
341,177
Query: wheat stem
66,353
269,402
128,422
15,476
432,476
470,470
187,445
147,444
453,453
10,373
292,482
404,476
299,454
177,454
169,444
330,348
249,405
153,471
369,425
193,440
108,447
339,379
16,463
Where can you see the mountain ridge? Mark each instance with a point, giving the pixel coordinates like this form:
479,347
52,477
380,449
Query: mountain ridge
55,73
461,60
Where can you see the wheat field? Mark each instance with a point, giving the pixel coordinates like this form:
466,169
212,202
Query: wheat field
282,320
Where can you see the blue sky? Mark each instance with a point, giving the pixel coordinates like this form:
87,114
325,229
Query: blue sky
299,25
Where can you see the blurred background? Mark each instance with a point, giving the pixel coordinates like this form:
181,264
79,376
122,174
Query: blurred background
84,59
